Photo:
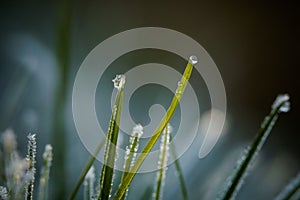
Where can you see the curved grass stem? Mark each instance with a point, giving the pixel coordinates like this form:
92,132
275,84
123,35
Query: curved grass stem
281,104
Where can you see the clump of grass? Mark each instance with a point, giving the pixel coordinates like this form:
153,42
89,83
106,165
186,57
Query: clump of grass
107,172
163,123
16,177
19,173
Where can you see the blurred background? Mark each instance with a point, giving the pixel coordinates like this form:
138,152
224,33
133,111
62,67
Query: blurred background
255,46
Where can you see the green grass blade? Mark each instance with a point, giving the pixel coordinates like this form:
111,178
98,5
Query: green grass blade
106,179
162,164
85,170
281,104
131,150
180,89
44,178
179,172
291,190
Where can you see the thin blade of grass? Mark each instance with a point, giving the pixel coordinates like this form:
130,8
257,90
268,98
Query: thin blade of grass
179,172
89,181
106,179
85,170
131,150
291,190
31,170
165,120
44,178
281,104
162,164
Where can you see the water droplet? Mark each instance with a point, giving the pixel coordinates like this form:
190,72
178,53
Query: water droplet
193,59
179,88
119,81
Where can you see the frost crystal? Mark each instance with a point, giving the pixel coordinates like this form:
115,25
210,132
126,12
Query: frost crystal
3,193
119,81
282,100
138,129
48,152
91,173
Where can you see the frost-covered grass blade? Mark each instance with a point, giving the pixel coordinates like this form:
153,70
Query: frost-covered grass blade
291,191
89,182
31,170
131,151
180,89
85,170
44,179
106,178
179,172
281,104
162,163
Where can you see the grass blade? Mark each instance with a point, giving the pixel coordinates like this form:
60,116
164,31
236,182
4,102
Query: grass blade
85,170
31,170
291,190
131,150
44,179
180,89
89,184
106,178
162,163
179,172
281,104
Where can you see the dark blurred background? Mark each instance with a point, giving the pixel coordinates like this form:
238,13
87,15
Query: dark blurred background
255,46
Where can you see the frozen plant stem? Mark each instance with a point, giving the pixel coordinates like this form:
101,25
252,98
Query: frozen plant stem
290,191
44,179
31,170
281,104
179,172
131,151
85,170
89,184
165,120
162,164
106,178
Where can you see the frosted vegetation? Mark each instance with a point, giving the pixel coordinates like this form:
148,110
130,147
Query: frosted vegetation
19,173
